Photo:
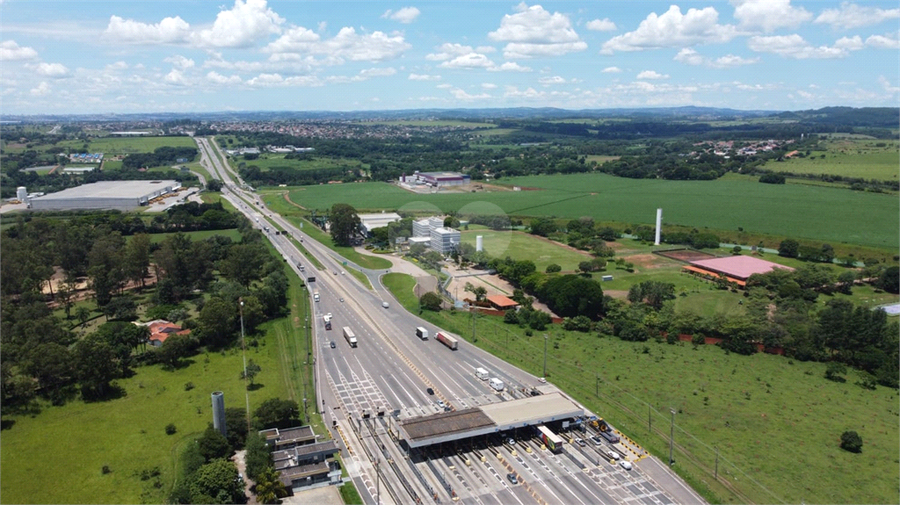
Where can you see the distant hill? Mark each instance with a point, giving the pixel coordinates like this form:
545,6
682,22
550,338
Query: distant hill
874,117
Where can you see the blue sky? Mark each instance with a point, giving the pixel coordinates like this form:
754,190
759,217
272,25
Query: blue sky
196,56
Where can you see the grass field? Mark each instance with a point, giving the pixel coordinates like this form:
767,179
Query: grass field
435,123
520,245
56,456
268,161
802,212
849,158
125,145
776,424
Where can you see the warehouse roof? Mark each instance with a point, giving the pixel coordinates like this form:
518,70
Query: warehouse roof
111,189
739,267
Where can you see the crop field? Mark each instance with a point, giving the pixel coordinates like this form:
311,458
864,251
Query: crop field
803,212
269,161
600,159
776,423
124,145
436,123
868,159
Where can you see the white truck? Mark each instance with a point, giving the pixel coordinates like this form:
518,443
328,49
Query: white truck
327,319
349,336
481,373
422,333
496,383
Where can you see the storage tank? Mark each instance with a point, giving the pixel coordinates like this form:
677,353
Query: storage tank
21,193
479,243
218,411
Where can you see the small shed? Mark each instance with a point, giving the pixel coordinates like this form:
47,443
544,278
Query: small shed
501,302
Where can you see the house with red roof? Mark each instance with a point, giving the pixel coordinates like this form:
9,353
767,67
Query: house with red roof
160,330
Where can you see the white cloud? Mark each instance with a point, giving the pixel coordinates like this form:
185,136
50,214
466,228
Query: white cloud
612,70
52,70
405,15
128,31
552,80
692,57
510,66
9,51
652,74
241,26
673,29
488,85
424,77
41,89
346,45
265,80
470,60
768,15
534,32
854,43
794,46
449,51
217,78
528,93
601,25
460,94
119,65
851,15
175,77
884,41
886,84
444,86
367,73
180,62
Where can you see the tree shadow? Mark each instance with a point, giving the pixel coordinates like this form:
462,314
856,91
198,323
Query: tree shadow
178,365
112,392
6,424
255,386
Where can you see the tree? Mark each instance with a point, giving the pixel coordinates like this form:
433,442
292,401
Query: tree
83,313
95,366
479,293
217,321
173,349
258,456
251,372
542,226
137,258
835,371
851,441
889,280
217,482
789,248
214,185
344,224
213,444
586,267
277,413
430,301
552,268
269,487
51,365
236,421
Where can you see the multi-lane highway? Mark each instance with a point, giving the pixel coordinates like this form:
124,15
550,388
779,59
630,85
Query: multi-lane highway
391,370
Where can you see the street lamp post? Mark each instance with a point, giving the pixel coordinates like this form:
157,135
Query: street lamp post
545,354
672,437
244,357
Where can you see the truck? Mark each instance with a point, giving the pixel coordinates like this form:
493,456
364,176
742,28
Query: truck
496,383
349,336
481,373
310,279
327,319
316,295
422,333
447,340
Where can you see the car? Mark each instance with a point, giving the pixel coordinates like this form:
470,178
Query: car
511,477
542,380
342,300
510,441
580,442
334,272
614,455
596,440
385,304
625,464
441,404
343,272
430,391
332,344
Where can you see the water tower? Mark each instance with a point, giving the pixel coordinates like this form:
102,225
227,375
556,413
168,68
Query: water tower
479,243
218,411
658,225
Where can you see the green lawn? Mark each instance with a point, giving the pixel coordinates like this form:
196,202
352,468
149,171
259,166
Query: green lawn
128,145
776,423
848,158
803,212
270,161
520,246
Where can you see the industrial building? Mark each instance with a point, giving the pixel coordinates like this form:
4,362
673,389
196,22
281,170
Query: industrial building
423,227
368,222
118,195
436,179
444,240
736,269
300,460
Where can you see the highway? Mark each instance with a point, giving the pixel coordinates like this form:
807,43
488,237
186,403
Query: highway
392,370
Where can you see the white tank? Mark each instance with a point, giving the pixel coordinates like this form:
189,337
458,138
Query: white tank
21,193
479,243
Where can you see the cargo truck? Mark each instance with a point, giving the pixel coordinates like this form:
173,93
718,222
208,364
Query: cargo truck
422,333
447,340
482,373
327,319
349,336
496,383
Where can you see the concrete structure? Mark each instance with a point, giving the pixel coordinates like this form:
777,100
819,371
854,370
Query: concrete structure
444,240
423,227
21,193
369,222
218,411
120,195
494,418
437,179
658,226
425,241
479,243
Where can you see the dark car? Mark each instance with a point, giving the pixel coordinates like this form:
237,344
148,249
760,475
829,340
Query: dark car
332,344
512,478
430,391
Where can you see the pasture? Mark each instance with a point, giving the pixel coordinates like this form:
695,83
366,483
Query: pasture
269,161
776,423
519,245
862,158
128,145
798,211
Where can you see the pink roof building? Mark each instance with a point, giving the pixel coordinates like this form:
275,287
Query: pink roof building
738,267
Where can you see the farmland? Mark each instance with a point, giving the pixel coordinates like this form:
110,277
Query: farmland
858,158
798,211
270,161
120,145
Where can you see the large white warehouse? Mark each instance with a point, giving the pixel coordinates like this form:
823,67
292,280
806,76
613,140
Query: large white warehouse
119,195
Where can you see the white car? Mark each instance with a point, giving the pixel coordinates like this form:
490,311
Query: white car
625,464
614,455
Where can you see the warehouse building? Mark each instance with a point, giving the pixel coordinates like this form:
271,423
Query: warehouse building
436,179
118,195
368,222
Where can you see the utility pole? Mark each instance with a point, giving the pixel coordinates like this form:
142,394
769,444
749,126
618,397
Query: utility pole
672,437
244,357
545,355
474,338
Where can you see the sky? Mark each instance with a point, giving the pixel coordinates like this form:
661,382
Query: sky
83,57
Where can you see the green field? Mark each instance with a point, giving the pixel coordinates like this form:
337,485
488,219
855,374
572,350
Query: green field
126,145
776,423
848,158
802,212
435,123
269,161
520,246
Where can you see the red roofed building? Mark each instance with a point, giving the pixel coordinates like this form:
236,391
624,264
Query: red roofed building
736,268
501,302
161,329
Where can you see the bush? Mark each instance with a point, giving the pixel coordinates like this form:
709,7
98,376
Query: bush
553,267
171,429
851,441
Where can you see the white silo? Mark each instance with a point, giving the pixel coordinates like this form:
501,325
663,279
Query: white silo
218,411
479,243
21,193
658,225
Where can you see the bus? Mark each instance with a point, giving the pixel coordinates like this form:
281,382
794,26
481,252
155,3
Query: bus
550,439
447,340
349,336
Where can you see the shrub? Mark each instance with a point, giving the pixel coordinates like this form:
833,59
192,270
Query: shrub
553,267
851,441
171,429
105,470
